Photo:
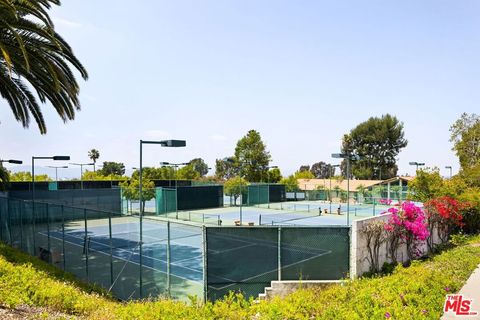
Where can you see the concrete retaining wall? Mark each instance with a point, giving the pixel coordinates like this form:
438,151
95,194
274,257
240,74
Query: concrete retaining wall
359,263
283,288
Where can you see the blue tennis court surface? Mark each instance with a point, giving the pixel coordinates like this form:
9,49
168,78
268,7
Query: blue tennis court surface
185,245
299,213
186,259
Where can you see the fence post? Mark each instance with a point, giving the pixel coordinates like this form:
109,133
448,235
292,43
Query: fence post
33,229
1,219
279,253
86,241
9,224
205,267
168,258
63,237
21,208
48,230
111,247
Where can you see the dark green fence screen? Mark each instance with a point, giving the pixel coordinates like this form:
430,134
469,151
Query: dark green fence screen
247,259
135,257
161,259
200,197
166,200
258,194
96,199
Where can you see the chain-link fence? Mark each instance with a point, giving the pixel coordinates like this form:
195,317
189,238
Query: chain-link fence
247,259
150,256
96,199
129,256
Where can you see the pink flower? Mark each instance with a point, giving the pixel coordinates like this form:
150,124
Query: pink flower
387,315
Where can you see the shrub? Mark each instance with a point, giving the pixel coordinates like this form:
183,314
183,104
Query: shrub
444,214
406,225
471,214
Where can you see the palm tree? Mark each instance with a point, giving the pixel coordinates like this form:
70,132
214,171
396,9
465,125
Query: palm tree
94,154
34,56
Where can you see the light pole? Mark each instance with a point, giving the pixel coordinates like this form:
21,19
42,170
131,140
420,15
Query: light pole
450,168
81,170
416,164
164,143
56,170
347,157
55,158
11,161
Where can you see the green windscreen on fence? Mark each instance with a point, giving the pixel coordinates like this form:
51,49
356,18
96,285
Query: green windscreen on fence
200,197
166,200
247,259
316,195
139,257
258,194
131,257
52,186
96,199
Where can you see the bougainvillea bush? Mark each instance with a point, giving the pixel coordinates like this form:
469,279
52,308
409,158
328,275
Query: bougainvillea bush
406,225
444,214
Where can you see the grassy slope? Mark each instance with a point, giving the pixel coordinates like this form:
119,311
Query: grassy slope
415,292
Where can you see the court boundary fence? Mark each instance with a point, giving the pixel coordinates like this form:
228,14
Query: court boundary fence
62,235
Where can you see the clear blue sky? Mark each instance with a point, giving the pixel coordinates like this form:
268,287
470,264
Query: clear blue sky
302,73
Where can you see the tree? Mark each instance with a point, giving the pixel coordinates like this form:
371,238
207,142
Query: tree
95,175
187,172
304,175
291,184
27,176
251,156
225,168
94,154
377,141
274,175
304,168
152,173
112,168
465,135
199,166
428,184
235,187
321,170
33,57
4,178
131,190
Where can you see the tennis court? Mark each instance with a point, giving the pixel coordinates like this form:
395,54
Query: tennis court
247,259
156,257
299,213
170,256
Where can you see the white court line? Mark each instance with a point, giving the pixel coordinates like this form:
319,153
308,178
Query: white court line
274,270
232,249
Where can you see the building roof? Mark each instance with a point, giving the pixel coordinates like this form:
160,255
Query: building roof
313,184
